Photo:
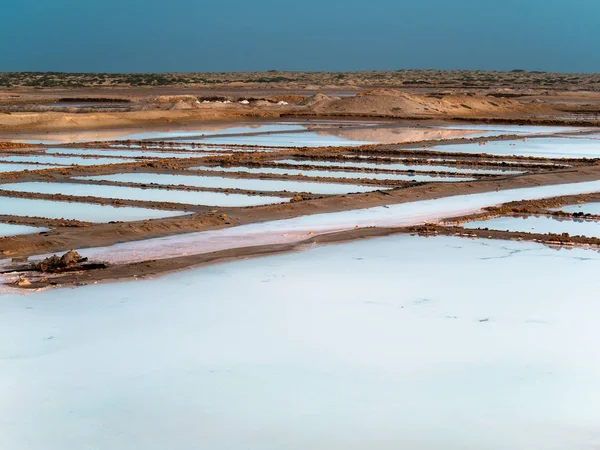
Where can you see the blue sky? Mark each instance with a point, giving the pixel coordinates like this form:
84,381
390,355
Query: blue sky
312,35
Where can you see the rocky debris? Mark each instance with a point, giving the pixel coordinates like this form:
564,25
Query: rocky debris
582,215
53,264
225,218
426,229
296,198
70,258
22,282
69,262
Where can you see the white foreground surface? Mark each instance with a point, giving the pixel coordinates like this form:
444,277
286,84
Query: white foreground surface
341,347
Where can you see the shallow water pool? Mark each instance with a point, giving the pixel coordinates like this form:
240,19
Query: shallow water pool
537,147
85,212
586,208
496,130
148,195
6,168
234,183
396,166
128,153
63,160
208,130
303,139
541,224
9,229
335,174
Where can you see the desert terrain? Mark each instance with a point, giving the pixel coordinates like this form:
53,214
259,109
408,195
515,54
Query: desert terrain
386,116
410,200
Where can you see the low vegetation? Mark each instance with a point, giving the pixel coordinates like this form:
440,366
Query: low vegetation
414,78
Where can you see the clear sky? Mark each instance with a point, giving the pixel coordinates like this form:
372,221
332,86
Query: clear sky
312,35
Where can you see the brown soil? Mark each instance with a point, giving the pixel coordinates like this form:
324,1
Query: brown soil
179,106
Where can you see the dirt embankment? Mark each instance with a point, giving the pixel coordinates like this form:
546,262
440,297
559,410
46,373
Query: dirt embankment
401,104
182,109
52,121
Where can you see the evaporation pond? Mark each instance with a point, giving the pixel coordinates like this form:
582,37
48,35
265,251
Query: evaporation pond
85,212
9,229
586,208
497,130
5,168
333,174
141,194
395,166
537,147
63,160
129,153
539,224
240,355
208,130
234,183
301,139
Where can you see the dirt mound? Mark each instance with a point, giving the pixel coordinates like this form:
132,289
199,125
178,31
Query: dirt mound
314,100
174,99
183,105
262,103
390,102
